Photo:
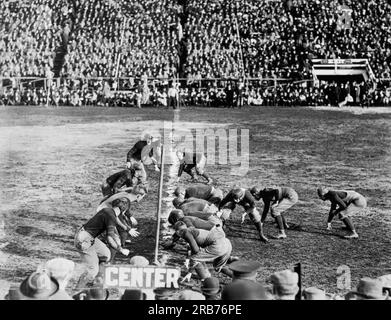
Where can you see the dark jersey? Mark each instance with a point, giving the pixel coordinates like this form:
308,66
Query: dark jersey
189,159
192,205
200,192
135,152
120,179
248,201
336,198
194,222
104,220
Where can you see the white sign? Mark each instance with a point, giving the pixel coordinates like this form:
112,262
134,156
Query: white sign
125,276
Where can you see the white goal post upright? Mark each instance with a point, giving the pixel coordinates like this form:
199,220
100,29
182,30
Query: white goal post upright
159,206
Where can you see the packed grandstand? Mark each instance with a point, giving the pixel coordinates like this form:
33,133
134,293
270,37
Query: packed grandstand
104,52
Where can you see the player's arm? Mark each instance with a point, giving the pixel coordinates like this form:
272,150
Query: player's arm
331,212
274,196
172,242
113,238
250,201
120,220
227,198
131,152
152,157
335,201
266,208
188,237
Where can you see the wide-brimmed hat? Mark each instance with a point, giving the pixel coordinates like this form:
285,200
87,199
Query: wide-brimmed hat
211,286
386,281
139,261
190,295
369,289
285,282
37,286
313,293
244,290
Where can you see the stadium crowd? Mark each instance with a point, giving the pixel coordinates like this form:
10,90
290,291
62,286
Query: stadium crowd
211,94
142,35
51,281
200,39
214,39
30,33
280,37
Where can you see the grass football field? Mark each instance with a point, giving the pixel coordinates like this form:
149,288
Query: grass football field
54,159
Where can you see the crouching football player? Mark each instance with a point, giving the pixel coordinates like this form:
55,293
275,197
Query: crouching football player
243,197
277,200
345,204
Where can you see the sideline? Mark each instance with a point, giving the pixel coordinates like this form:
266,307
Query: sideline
355,110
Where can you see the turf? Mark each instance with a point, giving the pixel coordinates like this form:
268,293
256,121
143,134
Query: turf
54,159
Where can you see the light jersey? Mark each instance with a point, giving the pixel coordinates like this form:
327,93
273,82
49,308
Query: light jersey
350,196
206,238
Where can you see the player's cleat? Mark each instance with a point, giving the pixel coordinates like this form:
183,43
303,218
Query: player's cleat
352,236
233,259
263,238
281,236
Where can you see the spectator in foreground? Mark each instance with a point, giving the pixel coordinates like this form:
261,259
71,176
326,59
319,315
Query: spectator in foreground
368,289
285,285
61,269
38,286
190,295
244,290
211,288
244,270
313,293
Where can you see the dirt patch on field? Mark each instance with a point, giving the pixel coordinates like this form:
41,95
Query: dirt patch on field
54,161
